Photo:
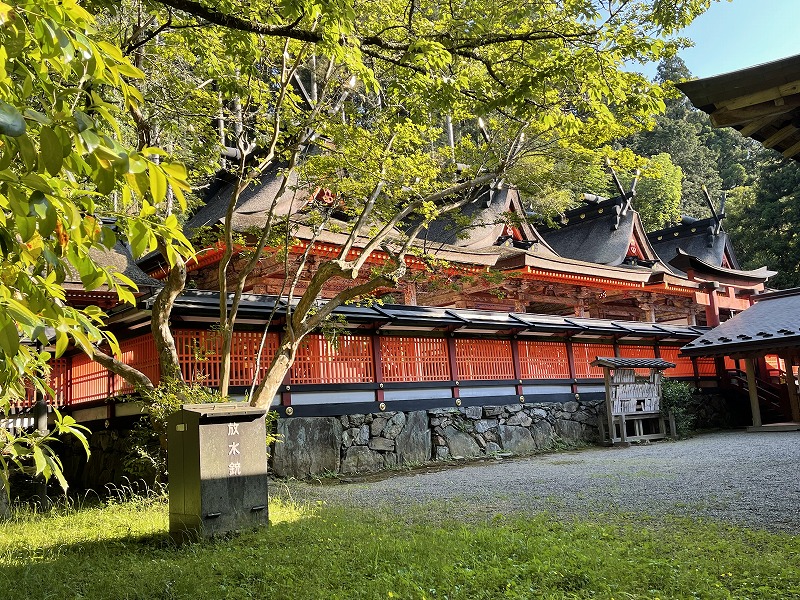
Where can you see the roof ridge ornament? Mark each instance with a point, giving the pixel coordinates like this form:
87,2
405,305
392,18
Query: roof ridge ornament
626,198
717,216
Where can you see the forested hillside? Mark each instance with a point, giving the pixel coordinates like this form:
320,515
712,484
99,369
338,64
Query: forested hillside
762,187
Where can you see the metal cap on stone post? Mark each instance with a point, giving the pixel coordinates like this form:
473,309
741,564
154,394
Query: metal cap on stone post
217,460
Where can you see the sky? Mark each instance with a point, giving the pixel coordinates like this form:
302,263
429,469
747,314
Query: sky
739,34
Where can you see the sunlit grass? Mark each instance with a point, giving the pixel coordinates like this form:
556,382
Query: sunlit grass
122,550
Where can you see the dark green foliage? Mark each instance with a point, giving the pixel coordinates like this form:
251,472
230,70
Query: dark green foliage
719,159
763,221
678,399
763,189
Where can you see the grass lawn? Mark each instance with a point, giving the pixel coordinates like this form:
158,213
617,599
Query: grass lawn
122,550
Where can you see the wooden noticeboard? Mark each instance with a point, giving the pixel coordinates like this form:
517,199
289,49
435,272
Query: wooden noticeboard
633,402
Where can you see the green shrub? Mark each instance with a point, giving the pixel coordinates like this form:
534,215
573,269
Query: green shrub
677,398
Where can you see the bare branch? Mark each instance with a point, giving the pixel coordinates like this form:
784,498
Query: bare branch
461,47
377,240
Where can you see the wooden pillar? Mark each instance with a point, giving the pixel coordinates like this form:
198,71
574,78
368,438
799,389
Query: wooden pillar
749,364
571,366
286,389
377,366
696,371
451,355
517,365
791,386
712,309
68,382
612,434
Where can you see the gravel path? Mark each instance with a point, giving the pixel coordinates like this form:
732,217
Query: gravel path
751,479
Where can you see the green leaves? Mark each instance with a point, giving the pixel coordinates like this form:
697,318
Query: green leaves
56,164
158,184
141,236
50,151
33,452
9,337
11,121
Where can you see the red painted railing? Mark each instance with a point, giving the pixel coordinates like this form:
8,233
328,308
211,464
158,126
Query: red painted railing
89,381
626,351
321,361
414,359
706,367
484,359
683,364
585,354
199,352
350,359
638,351
543,360
141,353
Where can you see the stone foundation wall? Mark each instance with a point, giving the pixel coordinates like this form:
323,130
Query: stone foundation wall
376,441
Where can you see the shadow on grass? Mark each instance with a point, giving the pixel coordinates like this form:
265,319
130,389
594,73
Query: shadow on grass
337,553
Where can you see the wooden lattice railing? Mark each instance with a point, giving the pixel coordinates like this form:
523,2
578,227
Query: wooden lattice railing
355,359
484,359
414,359
543,360
585,354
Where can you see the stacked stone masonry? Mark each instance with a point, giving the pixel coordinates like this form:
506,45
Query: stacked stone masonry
366,443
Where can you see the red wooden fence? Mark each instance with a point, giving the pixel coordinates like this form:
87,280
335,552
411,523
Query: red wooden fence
585,354
484,359
683,364
351,359
543,360
321,361
638,351
414,359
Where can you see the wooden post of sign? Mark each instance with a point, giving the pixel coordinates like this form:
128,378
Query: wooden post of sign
571,365
749,364
612,434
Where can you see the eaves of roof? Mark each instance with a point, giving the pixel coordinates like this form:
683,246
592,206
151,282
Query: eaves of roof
771,324
204,305
686,262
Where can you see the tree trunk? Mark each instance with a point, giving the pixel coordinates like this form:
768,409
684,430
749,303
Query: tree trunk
281,363
168,361
225,359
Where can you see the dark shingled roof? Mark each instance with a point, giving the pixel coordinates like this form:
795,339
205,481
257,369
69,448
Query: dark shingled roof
118,259
685,262
697,239
487,222
201,303
632,363
595,233
773,322
253,204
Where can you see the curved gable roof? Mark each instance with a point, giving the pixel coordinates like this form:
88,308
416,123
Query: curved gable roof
600,233
487,222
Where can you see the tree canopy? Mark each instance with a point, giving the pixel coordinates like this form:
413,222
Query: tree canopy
717,159
357,99
61,92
